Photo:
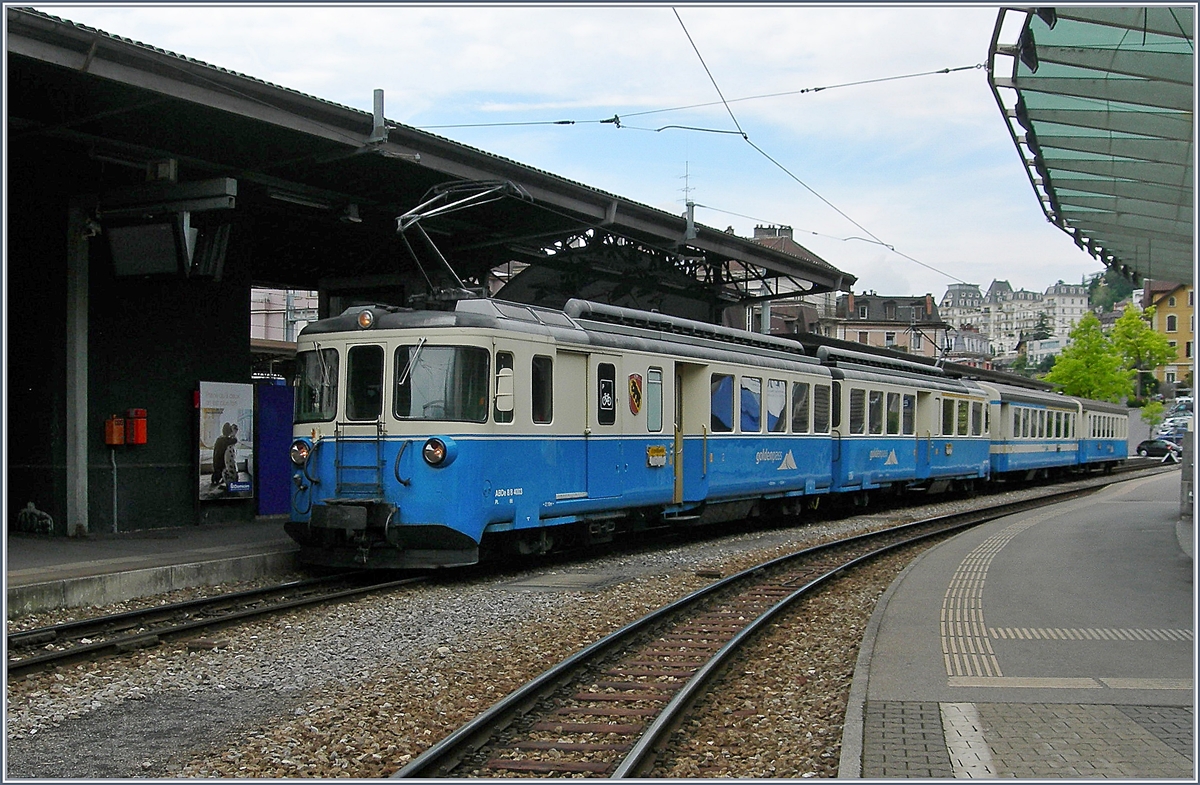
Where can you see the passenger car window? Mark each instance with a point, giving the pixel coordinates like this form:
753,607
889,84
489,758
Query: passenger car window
858,410
542,395
909,416
875,411
364,382
316,385
721,403
776,400
821,407
654,400
751,404
800,407
441,383
606,393
893,413
947,417
976,418
504,361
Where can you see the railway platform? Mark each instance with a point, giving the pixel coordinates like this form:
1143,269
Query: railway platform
1053,643
47,573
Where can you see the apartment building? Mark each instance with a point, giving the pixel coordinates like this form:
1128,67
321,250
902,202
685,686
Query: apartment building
1175,317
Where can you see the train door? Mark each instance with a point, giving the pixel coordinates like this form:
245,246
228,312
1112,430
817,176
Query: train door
691,432
927,407
602,432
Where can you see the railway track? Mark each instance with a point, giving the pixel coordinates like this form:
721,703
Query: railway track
606,710
88,639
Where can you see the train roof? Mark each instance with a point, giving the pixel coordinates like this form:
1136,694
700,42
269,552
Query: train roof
587,324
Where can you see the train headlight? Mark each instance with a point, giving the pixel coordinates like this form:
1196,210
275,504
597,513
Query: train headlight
365,319
299,452
439,452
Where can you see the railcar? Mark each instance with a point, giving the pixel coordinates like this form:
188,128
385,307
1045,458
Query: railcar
904,425
423,436
435,438
1103,434
1035,434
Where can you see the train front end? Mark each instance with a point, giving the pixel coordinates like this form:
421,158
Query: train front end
390,410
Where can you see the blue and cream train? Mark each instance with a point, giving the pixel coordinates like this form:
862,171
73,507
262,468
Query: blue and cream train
427,438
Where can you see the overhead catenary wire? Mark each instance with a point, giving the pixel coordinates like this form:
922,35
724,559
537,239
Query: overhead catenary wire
789,173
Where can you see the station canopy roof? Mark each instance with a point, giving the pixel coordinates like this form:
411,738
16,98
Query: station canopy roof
1100,103
320,186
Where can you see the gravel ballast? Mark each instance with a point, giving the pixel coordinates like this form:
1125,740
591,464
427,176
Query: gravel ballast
358,689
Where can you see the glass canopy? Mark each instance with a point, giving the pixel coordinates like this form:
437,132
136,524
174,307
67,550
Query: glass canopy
1099,102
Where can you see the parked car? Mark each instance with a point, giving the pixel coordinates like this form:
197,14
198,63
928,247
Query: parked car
1158,448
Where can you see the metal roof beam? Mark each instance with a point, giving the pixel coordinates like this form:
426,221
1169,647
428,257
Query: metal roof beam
1162,125
1138,171
1161,151
1135,92
1125,223
1160,66
1173,22
1126,189
1111,204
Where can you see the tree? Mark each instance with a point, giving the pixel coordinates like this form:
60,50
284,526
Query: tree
1140,347
1107,289
1152,414
1041,330
1091,367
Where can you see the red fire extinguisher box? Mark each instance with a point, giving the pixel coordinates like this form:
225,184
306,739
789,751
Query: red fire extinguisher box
114,430
135,426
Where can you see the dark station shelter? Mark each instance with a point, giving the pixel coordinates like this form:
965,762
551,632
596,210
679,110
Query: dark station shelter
147,193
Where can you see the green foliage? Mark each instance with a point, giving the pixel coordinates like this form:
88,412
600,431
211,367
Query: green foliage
1108,288
1140,347
1152,414
1041,330
1091,367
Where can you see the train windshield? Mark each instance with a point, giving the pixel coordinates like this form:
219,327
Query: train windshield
441,383
316,385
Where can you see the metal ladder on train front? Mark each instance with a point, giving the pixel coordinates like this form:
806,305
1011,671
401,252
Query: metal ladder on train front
358,479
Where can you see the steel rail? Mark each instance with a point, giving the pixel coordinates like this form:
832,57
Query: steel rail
151,637
443,756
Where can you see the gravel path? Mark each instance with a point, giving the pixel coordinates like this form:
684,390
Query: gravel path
359,688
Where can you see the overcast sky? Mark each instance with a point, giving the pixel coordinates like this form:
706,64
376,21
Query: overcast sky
924,164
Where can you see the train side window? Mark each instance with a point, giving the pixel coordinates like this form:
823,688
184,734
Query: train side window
964,418
821,408
721,401
606,394
908,416
441,383
976,418
364,382
836,401
1042,432
947,417
1058,425
1016,423
316,385
800,406
893,413
777,421
875,412
1025,423
504,361
654,400
751,404
542,397
858,410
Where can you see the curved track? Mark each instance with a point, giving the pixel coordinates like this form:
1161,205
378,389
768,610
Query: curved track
605,710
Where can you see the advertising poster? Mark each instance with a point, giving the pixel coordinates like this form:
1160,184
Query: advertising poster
226,441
